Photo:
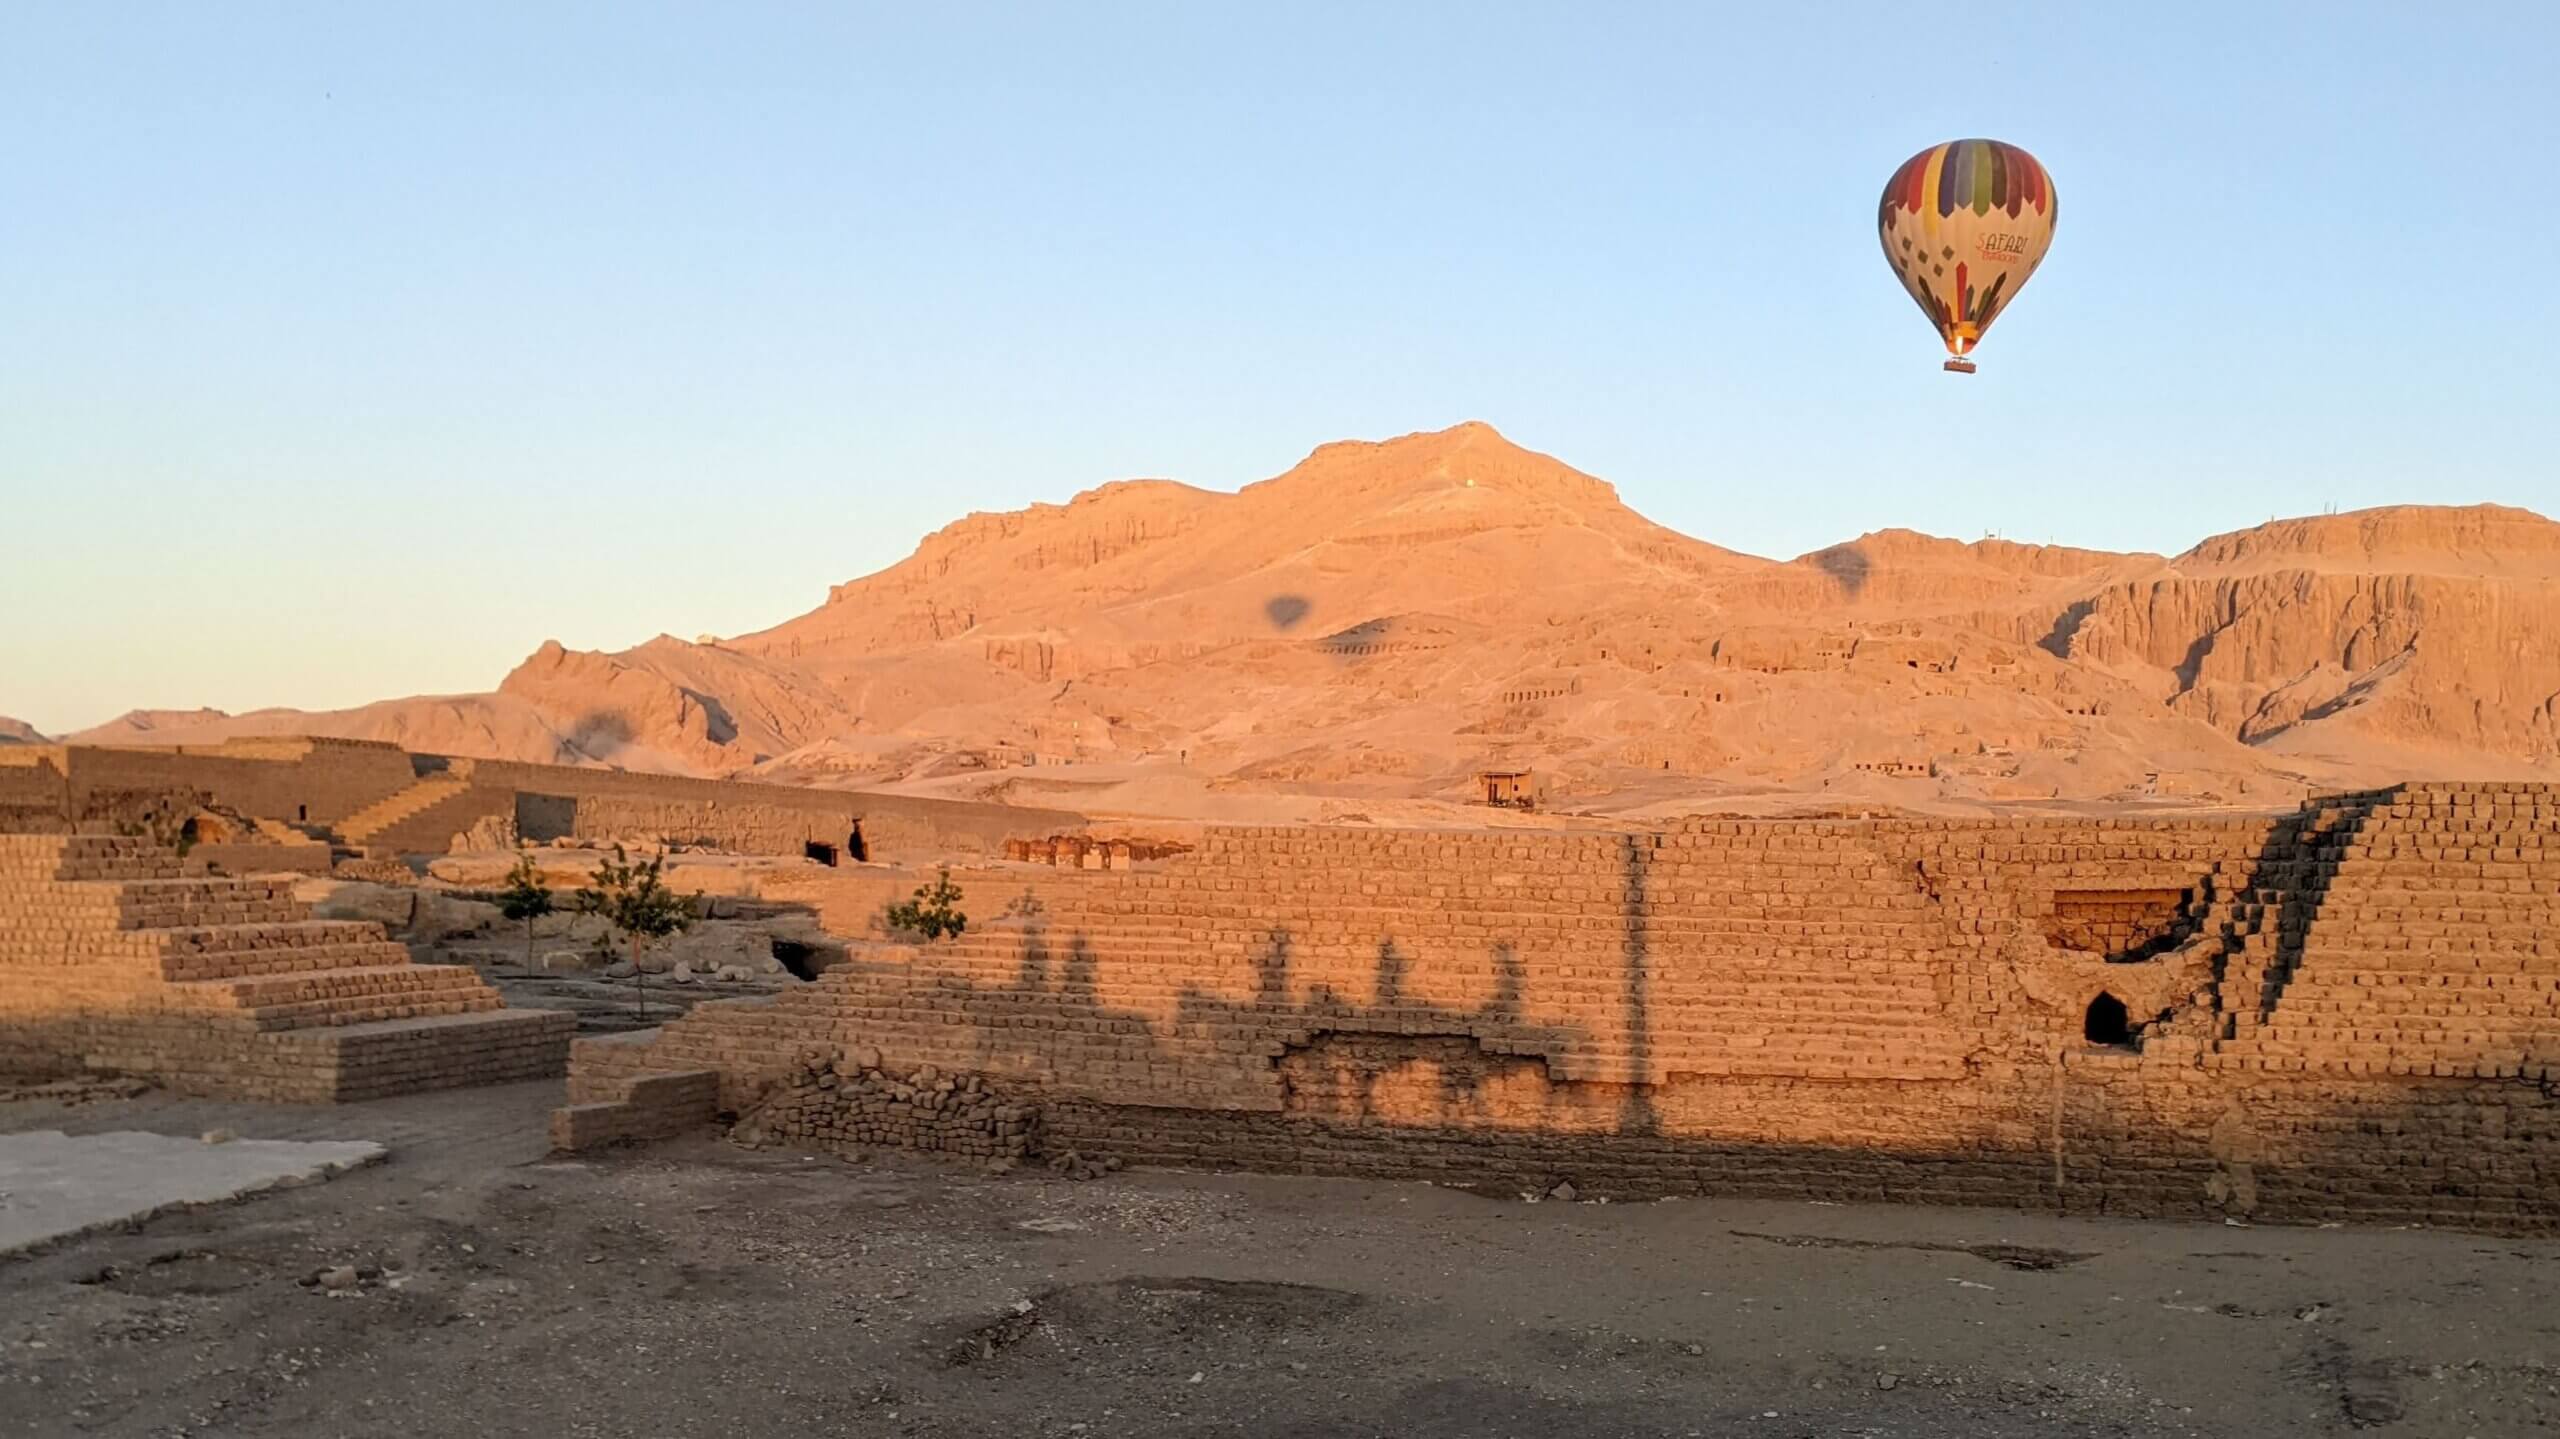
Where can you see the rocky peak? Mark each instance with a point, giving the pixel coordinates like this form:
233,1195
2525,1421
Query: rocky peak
2472,540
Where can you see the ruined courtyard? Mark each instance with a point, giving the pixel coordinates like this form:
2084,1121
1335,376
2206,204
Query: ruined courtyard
2039,1124
1243,723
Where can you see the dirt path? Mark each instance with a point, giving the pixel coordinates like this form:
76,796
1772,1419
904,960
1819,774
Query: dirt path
699,1289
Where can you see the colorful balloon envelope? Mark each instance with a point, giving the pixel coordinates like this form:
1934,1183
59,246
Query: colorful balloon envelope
1965,224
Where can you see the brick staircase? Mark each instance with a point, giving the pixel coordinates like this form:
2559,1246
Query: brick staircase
424,816
116,955
2423,938
365,824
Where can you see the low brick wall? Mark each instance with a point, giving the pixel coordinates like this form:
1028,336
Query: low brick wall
658,1106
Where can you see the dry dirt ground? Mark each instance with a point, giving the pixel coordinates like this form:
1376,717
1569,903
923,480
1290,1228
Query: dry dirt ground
697,1289
610,1006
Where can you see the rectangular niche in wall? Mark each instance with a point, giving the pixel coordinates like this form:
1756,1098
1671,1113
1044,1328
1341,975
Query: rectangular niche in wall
2125,925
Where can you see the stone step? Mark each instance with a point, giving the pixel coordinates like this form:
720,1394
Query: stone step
345,996
283,960
76,858
273,934
155,903
381,1058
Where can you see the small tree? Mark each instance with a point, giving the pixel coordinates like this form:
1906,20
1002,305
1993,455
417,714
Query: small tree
634,899
526,898
934,912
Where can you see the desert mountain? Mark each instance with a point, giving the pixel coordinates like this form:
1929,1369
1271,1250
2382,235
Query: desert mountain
1386,618
2413,624
15,731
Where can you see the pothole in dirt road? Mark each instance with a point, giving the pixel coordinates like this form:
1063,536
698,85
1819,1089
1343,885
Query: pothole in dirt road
198,1272
2007,1256
1143,1314
2364,1389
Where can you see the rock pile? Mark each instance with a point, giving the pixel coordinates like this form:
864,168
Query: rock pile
846,1099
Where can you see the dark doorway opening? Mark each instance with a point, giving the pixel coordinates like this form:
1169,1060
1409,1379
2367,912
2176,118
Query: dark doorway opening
854,848
823,853
2107,1023
800,959
301,812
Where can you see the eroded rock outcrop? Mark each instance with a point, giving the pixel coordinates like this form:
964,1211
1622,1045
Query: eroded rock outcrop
2416,625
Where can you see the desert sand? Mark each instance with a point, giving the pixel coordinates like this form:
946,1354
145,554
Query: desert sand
1356,638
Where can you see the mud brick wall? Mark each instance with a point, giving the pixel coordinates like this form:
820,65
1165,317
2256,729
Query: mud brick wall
748,818
317,780
327,781
753,818
33,793
852,901
2353,1011
642,1107
2113,922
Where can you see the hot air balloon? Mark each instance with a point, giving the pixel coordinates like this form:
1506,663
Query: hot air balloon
1965,224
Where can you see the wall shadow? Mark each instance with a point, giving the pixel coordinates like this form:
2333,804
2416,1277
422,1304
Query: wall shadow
1201,1075
2294,866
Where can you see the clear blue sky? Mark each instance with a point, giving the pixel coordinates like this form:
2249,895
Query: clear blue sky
346,353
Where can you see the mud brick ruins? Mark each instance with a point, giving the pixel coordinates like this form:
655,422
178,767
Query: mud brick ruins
2348,1011
2352,1011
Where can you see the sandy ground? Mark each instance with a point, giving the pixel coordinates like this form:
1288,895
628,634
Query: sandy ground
695,1289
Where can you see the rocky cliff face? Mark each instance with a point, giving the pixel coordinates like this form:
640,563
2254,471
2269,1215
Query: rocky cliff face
2415,625
612,709
1386,617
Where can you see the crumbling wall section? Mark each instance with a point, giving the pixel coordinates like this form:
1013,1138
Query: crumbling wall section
34,798
841,1101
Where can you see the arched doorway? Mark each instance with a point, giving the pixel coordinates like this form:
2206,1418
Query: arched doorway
2107,1022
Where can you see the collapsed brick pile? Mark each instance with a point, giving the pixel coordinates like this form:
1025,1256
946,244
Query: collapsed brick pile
845,1099
1072,851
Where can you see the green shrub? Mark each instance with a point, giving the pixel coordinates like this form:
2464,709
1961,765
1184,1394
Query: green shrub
934,912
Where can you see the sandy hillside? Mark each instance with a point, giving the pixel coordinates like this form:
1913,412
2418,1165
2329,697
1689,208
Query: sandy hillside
16,731
1361,634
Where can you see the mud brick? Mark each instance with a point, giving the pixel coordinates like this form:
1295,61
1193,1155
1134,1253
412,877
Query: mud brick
117,956
2325,1013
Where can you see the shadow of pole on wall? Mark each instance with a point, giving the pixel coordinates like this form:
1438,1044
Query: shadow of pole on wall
1637,1116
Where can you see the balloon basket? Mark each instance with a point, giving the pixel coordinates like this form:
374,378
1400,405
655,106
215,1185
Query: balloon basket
1960,365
